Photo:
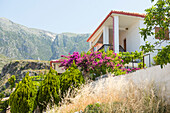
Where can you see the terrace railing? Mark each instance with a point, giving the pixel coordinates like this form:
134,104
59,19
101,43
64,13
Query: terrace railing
110,46
121,49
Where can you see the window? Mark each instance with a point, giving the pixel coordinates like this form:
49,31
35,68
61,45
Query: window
166,33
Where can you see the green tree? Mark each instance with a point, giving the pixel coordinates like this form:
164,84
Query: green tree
49,90
1,96
12,81
71,78
157,16
165,53
22,100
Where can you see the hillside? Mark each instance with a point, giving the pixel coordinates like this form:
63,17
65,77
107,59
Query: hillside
19,68
3,60
20,42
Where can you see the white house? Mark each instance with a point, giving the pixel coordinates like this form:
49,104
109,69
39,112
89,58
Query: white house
120,31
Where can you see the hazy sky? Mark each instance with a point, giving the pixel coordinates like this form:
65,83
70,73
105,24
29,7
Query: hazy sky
78,16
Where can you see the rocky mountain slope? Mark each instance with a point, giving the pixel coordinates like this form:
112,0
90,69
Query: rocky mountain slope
20,42
19,68
3,60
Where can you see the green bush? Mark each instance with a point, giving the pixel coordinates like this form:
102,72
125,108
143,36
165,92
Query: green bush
1,96
163,56
49,90
4,87
3,106
12,81
22,100
127,57
103,108
93,108
95,64
140,65
7,94
71,78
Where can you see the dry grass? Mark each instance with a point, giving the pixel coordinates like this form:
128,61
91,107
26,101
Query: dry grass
115,95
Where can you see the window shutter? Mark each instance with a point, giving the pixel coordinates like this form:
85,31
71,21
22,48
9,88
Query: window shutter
166,33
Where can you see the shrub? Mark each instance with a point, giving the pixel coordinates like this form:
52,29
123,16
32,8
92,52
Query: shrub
163,56
127,57
3,106
7,94
1,96
71,78
102,107
22,100
140,65
4,87
96,63
93,108
12,81
49,90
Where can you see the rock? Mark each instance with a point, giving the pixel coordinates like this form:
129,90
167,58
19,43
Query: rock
20,68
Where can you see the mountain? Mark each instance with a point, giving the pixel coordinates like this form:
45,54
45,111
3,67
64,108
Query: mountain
68,43
20,42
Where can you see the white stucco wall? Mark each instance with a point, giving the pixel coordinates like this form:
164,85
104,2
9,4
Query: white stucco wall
57,68
161,77
133,38
152,40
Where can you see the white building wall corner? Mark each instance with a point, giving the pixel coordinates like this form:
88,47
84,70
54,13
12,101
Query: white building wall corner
133,37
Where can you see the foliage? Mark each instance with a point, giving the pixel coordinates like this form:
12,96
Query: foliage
39,77
100,62
4,87
71,78
93,108
102,107
12,81
96,63
3,106
1,96
22,100
163,57
140,65
157,16
148,47
49,90
128,57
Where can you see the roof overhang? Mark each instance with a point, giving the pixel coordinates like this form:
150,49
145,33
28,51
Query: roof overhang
115,13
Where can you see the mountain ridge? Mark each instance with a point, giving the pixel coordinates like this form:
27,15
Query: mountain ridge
20,42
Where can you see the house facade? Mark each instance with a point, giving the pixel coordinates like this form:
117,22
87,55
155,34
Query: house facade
55,64
119,31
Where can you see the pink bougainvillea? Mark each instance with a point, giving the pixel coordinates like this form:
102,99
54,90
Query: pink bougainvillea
96,63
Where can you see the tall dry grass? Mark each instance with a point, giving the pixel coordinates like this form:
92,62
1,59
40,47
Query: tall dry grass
115,94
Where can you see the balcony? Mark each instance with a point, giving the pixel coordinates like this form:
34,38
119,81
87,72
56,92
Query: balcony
110,47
